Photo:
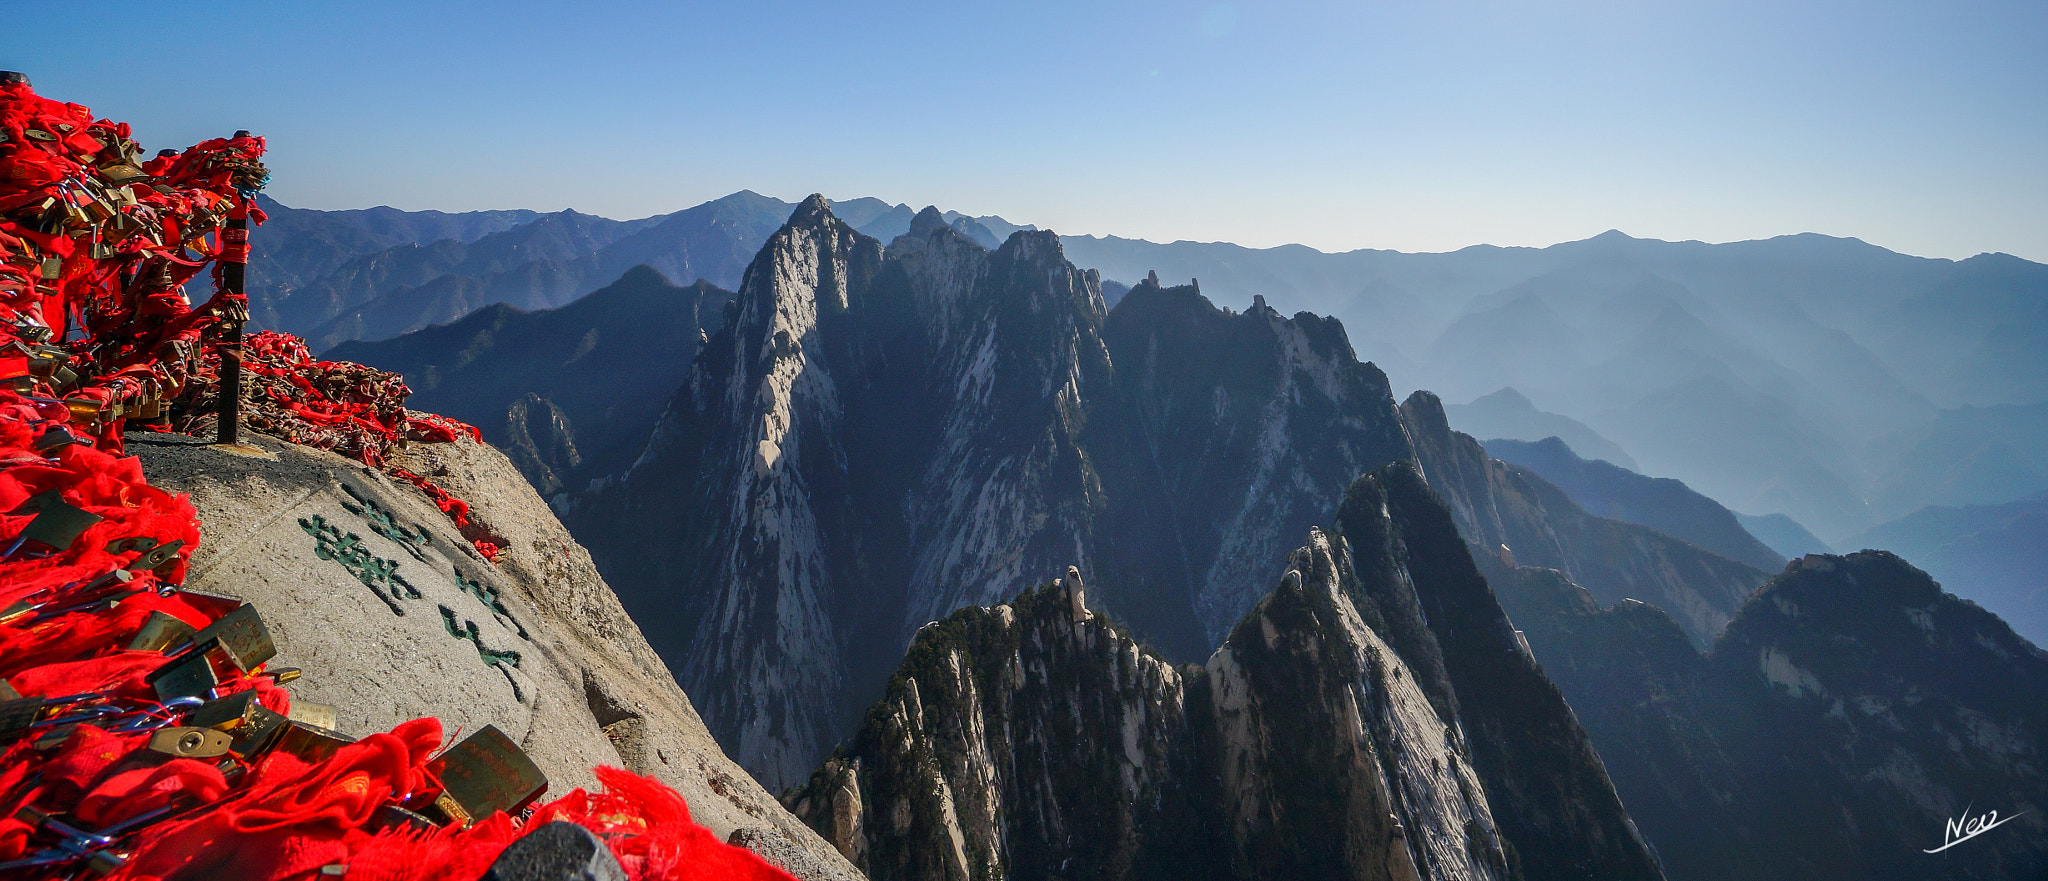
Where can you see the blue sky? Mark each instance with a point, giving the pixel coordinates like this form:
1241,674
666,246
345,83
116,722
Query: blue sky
1922,127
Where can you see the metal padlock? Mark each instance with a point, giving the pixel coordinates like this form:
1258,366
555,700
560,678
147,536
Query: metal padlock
484,774
312,743
187,675
190,743
258,733
157,555
316,715
57,523
161,631
226,714
239,633
121,172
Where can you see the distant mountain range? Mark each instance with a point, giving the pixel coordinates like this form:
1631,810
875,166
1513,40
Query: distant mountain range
879,444
1996,555
1507,414
1825,379
1838,383
1663,504
569,394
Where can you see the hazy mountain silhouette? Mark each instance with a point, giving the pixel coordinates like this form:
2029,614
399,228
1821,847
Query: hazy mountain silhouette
1507,414
1783,534
1823,378
570,393
1996,555
1668,506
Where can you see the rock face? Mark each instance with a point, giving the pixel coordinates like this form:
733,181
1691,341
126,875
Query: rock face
1335,734
1850,714
393,615
1231,435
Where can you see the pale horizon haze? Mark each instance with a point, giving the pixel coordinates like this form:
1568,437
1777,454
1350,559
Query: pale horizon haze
1414,126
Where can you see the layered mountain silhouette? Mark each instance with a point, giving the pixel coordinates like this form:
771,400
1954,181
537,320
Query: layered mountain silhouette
1794,375
1783,534
879,446
1999,551
1663,504
1821,378
1510,415
877,436
569,394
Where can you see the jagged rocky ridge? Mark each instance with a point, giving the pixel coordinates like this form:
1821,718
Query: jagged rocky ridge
878,436
1848,714
1374,717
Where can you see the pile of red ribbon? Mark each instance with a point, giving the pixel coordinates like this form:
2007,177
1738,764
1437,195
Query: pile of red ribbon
114,760
347,408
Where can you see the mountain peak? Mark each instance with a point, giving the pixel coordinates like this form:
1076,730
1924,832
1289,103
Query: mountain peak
814,209
1509,396
642,275
926,222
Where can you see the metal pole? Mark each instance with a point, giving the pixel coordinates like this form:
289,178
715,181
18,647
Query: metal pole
233,274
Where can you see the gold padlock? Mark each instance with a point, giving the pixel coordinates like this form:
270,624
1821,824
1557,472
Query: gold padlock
190,743
120,172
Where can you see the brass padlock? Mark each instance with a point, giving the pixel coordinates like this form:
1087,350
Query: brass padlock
316,715
188,675
190,743
160,631
484,774
226,714
121,172
258,732
239,633
310,742
58,523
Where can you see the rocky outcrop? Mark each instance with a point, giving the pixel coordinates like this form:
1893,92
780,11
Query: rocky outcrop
1850,717
370,589
1326,737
